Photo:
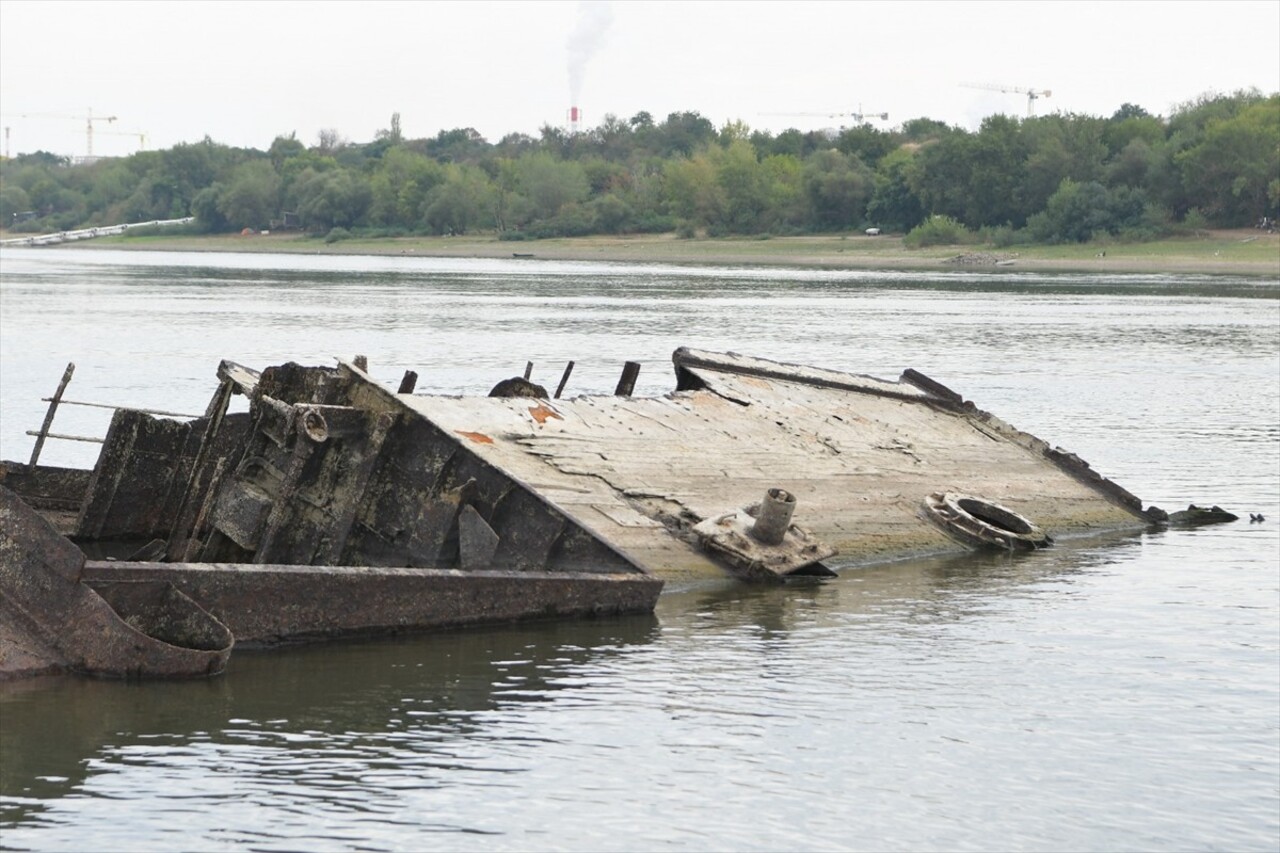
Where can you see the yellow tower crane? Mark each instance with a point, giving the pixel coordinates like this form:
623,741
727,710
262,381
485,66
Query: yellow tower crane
1032,94
88,118
137,134
858,116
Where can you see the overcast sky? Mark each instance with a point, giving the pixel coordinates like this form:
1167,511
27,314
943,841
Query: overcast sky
245,72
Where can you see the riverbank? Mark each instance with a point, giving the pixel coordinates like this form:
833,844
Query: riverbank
1242,251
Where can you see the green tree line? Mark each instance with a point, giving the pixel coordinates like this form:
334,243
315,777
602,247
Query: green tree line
1057,178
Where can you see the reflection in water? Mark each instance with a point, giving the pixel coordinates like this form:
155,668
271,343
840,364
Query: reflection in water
1103,694
283,714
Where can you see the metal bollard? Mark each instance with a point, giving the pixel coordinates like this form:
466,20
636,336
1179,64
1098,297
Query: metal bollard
774,517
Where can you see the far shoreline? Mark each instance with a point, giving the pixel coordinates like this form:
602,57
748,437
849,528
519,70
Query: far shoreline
1241,251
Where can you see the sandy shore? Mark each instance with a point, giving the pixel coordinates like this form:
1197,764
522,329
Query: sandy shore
1243,252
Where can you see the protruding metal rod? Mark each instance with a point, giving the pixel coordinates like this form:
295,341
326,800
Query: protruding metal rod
68,437
528,369
564,379
627,383
126,408
408,383
774,517
48,416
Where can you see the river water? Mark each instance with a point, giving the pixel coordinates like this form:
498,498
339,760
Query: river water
1118,693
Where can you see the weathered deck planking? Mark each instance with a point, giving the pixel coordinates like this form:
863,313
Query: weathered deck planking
860,454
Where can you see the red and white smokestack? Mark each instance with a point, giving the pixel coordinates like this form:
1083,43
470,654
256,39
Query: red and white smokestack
575,119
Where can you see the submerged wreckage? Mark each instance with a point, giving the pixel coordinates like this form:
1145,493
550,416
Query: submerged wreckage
335,506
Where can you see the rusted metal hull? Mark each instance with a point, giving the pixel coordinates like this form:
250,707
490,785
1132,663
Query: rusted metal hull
267,605
50,620
62,613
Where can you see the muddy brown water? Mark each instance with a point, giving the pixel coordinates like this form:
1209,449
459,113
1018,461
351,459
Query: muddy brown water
1117,693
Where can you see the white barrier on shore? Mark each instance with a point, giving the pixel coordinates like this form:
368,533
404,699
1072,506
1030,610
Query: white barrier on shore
89,233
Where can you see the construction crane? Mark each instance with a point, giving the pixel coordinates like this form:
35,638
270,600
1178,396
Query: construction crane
858,116
141,136
1032,94
89,118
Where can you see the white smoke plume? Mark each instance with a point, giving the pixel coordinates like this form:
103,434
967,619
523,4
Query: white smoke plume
594,19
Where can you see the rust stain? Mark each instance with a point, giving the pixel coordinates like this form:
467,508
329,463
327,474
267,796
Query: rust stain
477,437
541,413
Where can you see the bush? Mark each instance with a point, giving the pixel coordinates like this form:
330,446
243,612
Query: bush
654,223
1003,236
1080,212
336,234
936,231
1193,222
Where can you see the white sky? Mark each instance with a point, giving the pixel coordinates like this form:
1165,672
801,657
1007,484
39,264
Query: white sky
244,72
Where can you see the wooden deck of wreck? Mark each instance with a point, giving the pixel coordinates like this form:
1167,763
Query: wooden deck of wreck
859,454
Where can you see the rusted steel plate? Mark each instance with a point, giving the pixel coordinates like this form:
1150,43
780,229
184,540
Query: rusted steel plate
271,604
139,478
53,621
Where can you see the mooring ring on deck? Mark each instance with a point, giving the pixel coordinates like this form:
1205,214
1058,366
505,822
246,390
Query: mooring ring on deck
984,524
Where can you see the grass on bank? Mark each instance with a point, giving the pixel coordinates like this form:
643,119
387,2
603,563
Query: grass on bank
1242,250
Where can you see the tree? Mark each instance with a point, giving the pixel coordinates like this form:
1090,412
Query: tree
1078,212
13,200
734,131
333,199
182,172
683,133
1232,169
742,187
691,190
204,207
1126,126
284,148
785,206
1132,165
613,139
550,184
611,213
940,178
893,205
110,182
925,129
329,141
399,187
1057,147
1129,111
251,197
996,175
393,135
838,187
460,203
866,143
460,145
513,145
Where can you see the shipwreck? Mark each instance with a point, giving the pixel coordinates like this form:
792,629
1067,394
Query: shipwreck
336,506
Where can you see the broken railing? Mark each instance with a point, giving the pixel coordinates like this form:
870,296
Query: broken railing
57,400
